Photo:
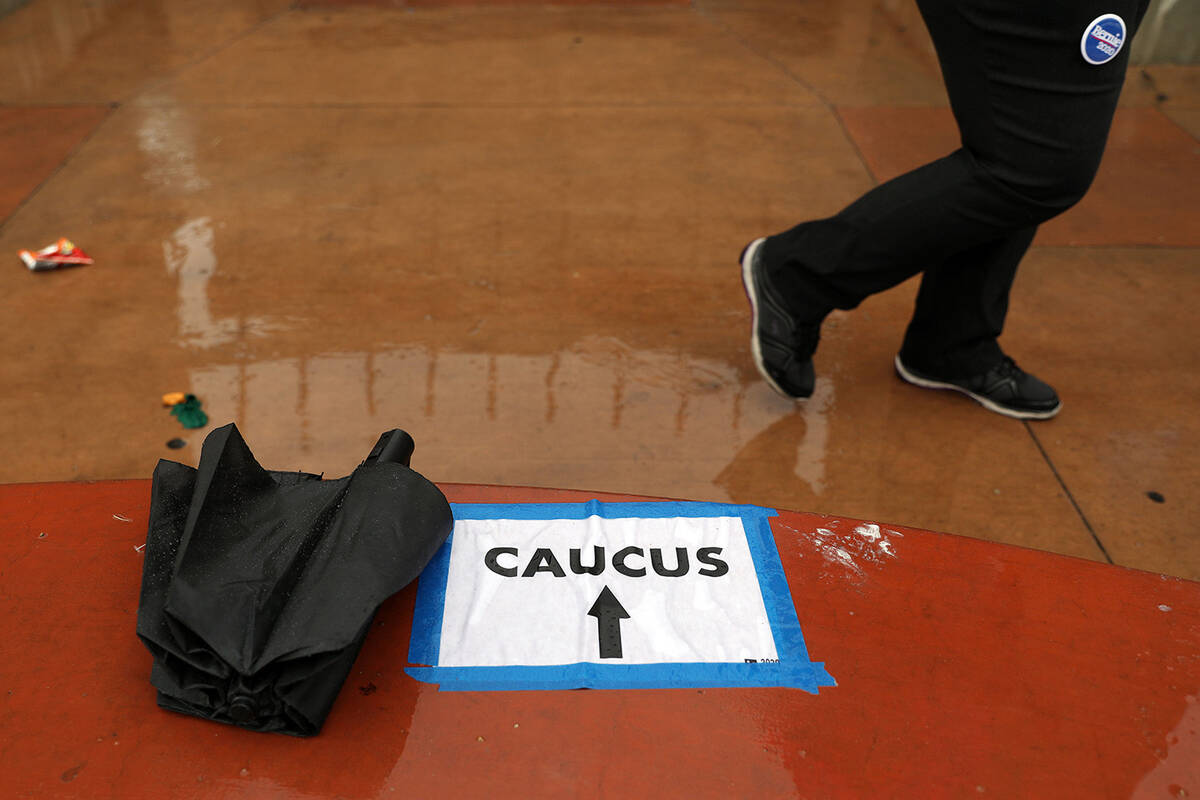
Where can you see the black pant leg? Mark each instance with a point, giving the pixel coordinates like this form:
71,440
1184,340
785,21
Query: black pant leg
960,309
1034,117
962,303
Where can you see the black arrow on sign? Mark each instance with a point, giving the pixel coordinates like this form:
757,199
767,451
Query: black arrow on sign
608,612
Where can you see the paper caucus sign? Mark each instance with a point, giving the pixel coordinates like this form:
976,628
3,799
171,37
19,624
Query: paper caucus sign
609,595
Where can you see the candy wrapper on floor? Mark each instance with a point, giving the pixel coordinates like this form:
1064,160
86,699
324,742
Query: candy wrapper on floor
259,587
186,409
62,253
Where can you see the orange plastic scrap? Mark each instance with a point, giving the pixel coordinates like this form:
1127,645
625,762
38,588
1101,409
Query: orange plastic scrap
62,253
173,398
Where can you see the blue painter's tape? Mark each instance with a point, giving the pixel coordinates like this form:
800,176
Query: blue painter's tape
595,508
792,670
772,583
426,643
809,676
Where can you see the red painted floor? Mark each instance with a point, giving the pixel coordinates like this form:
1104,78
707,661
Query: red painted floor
964,669
513,230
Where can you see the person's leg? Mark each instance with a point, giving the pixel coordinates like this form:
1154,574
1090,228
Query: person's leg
951,342
961,307
1034,117
962,303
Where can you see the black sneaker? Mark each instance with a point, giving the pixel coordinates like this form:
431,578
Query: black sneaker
1005,388
782,345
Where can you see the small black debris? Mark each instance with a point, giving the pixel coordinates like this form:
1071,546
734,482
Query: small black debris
175,444
1156,497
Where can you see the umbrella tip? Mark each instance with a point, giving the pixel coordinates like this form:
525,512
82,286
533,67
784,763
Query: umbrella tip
393,447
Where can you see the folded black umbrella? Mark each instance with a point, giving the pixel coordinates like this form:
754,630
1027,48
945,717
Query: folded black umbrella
259,587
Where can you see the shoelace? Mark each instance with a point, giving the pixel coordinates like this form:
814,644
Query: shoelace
1007,369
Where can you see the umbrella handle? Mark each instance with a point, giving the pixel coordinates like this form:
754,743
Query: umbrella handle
393,447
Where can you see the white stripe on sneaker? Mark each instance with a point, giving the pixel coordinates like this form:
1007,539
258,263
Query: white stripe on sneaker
990,405
752,294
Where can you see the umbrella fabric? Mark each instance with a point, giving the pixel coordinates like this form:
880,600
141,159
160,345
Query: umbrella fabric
259,587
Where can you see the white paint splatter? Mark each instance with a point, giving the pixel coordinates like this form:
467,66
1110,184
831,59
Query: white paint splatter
838,555
842,556
1164,607
870,532
868,543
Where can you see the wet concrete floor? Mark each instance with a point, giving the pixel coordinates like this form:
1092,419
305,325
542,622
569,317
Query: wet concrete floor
512,231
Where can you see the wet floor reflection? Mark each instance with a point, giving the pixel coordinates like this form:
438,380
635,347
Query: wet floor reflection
1176,771
511,738
598,414
189,257
166,139
64,27
102,50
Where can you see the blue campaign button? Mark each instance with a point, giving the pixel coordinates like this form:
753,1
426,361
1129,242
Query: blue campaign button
1102,39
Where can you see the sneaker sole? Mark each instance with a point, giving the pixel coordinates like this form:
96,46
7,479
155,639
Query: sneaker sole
748,282
926,383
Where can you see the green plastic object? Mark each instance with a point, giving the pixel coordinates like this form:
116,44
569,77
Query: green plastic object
189,413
